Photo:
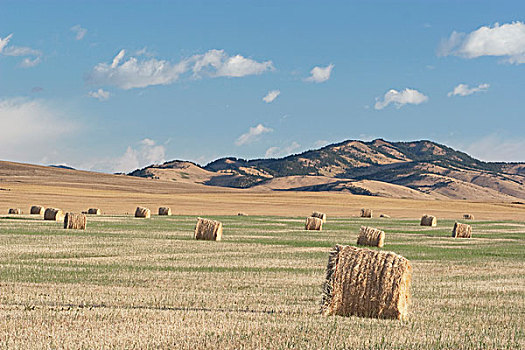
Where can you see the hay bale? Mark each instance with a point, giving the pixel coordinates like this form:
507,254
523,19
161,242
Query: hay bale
428,220
384,216
74,221
15,211
141,212
37,210
241,214
366,283
371,236
319,215
366,213
207,229
313,224
53,214
164,211
461,230
94,211
468,216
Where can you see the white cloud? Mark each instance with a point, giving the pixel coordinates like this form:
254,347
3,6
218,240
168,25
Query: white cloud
4,42
21,51
274,152
28,62
496,148
18,51
100,94
465,90
252,135
135,73
506,40
271,96
146,154
79,31
320,74
401,98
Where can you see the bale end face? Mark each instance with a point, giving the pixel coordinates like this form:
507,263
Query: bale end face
366,213
74,221
141,212
319,215
54,214
313,224
461,230
94,211
15,211
366,283
428,220
164,211
37,210
207,229
371,237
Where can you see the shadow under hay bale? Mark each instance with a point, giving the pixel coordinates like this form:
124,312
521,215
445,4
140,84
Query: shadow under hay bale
74,221
468,216
141,212
366,213
54,214
165,211
461,230
313,224
367,283
15,211
371,237
207,229
37,210
428,220
319,215
94,211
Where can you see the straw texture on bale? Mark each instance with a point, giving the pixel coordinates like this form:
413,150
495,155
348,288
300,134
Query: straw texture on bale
37,210
366,283
15,211
207,229
319,215
461,230
371,236
74,221
428,220
384,216
141,212
94,211
313,224
53,214
468,216
164,211
366,213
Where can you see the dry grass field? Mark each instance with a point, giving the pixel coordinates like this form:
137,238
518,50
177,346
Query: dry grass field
145,283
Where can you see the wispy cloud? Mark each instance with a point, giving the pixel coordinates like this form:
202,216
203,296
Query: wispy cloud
274,152
20,51
496,148
271,96
465,90
400,98
252,134
506,40
100,94
4,42
320,74
79,31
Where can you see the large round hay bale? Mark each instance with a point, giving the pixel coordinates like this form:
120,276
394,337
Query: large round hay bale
461,230
15,211
141,212
37,210
94,211
428,220
313,224
319,215
164,211
74,221
366,283
207,229
371,236
366,213
53,214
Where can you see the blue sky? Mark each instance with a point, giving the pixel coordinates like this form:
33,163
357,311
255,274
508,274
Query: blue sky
115,85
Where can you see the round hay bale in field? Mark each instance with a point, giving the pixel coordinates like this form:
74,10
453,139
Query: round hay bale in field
371,236
94,211
428,220
15,211
74,221
164,211
142,212
207,229
319,215
53,214
461,230
37,210
468,216
366,213
241,214
313,224
366,283
385,216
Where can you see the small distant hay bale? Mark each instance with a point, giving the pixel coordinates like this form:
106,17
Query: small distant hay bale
366,213
371,236
366,283
207,229
468,216
319,215
461,230
313,224
53,214
74,221
428,220
241,214
384,216
164,211
37,210
15,211
141,212
94,211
